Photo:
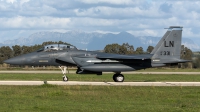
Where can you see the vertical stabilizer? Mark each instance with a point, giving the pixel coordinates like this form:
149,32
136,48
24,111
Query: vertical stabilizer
170,44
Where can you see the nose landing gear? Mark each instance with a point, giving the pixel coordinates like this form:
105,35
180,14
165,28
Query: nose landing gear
64,69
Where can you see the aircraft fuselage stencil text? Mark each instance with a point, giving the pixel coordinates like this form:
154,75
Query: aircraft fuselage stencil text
165,53
169,44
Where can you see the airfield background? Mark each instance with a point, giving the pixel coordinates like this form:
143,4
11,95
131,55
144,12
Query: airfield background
7,52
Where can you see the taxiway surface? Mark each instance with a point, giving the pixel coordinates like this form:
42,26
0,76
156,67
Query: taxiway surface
100,83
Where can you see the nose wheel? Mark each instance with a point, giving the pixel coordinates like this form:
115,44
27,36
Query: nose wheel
65,78
118,77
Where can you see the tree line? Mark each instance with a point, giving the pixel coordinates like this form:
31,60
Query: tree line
7,52
125,48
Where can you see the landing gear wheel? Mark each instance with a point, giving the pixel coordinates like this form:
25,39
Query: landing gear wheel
118,77
114,77
65,78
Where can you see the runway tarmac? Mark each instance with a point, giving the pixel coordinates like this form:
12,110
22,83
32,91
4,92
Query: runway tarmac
100,83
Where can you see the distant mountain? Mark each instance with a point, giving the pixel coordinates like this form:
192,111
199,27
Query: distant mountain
93,40
191,44
77,38
1,44
123,37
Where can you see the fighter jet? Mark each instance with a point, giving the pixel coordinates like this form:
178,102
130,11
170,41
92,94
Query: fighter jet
166,52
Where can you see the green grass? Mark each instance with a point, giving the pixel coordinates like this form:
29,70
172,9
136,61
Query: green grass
104,77
78,98
53,98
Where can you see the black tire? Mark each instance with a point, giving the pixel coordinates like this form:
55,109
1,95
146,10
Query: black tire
65,79
114,77
118,77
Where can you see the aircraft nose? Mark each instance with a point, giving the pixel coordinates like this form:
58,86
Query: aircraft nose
14,61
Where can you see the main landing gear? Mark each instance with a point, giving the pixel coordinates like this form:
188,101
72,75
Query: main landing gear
64,69
118,77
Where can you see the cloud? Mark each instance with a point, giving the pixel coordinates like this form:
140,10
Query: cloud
118,13
34,23
165,7
23,1
141,17
10,1
116,2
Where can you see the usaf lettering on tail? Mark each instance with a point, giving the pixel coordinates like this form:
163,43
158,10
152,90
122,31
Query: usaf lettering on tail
166,52
169,44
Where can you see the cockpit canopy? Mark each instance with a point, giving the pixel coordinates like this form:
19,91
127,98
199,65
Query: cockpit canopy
56,47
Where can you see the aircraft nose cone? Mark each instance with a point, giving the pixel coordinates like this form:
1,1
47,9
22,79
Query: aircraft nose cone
14,61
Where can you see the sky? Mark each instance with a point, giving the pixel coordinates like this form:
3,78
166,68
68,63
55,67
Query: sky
21,18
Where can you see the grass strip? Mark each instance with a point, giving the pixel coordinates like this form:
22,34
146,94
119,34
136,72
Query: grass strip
53,98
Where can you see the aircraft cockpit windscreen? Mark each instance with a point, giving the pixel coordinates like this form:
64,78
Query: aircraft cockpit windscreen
56,47
41,49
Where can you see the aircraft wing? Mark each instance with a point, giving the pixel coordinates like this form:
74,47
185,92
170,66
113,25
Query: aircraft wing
124,57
